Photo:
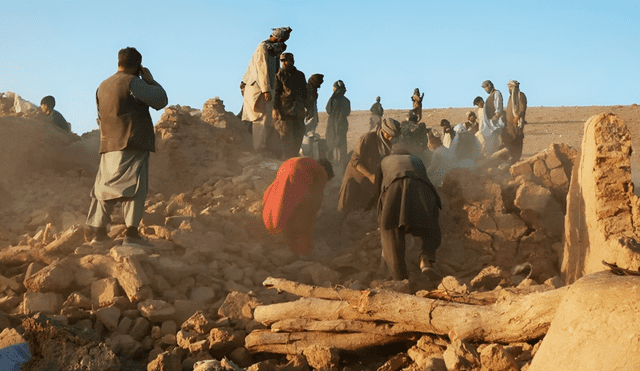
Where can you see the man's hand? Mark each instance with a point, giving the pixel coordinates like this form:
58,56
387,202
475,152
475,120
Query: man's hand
145,74
372,178
267,96
275,114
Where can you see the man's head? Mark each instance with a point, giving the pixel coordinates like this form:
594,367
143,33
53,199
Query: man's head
47,103
487,85
339,85
513,84
378,99
326,165
445,124
471,116
416,91
280,34
316,80
478,101
129,60
287,60
390,128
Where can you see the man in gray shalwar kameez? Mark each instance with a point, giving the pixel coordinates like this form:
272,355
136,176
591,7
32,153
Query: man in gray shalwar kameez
126,138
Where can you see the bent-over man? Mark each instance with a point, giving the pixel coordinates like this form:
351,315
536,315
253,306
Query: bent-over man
293,199
408,204
289,106
126,138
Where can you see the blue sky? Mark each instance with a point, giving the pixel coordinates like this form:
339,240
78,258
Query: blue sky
575,53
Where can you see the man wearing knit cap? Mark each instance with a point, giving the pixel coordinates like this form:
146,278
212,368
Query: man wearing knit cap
289,106
259,87
513,133
338,108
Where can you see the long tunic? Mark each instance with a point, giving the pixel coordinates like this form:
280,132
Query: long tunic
292,201
338,108
407,197
357,191
515,107
492,129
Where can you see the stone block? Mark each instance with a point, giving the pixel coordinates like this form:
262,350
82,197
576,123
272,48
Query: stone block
156,310
238,306
494,358
168,327
124,326
119,252
109,317
47,303
198,323
104,292
558,177
124,345
165,362
553,160
133,280
520,168
461,355
57,276
321,357
531,196
539,168
140,328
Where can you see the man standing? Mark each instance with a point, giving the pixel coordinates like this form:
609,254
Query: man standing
407,204
126,138
293,199
513,133
289,106
376,115
46,105
493,119
417,103
311,120
338,108
259,85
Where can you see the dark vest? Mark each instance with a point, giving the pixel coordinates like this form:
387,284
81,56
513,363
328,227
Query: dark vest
125,123
396,167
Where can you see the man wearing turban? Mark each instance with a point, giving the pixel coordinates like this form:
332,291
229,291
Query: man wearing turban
513,133
258,86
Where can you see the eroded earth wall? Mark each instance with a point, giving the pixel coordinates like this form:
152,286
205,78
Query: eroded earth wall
602,211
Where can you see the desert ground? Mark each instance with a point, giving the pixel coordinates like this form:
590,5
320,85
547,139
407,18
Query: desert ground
204,297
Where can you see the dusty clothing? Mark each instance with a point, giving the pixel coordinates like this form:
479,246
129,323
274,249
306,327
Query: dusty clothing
289,101
123,176
123,102
126,138
311,120
357,191
513,133
417,105
376,109
58,120
292,201
338,108
492,128
408,204
442,161
259,79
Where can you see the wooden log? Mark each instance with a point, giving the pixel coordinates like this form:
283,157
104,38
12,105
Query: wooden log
297,342
301,324
513,319
67,242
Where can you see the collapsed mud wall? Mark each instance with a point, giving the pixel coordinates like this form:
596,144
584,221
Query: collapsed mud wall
497,219
603,217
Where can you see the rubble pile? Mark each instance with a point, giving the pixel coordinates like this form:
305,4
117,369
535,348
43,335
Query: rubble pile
194,300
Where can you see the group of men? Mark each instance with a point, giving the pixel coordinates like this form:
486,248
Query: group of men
277,98
277,101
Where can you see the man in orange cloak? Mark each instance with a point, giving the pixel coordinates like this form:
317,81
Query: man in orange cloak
293,199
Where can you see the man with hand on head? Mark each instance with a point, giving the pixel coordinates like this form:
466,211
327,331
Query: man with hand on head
126,139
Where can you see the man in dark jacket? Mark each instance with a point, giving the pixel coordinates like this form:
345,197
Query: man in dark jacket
126,138
408,204
289,106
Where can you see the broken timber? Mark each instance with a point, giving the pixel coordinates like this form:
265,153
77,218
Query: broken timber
330,315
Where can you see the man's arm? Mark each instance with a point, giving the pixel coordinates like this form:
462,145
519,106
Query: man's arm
149,92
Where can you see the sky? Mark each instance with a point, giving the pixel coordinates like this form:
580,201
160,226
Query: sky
563,53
